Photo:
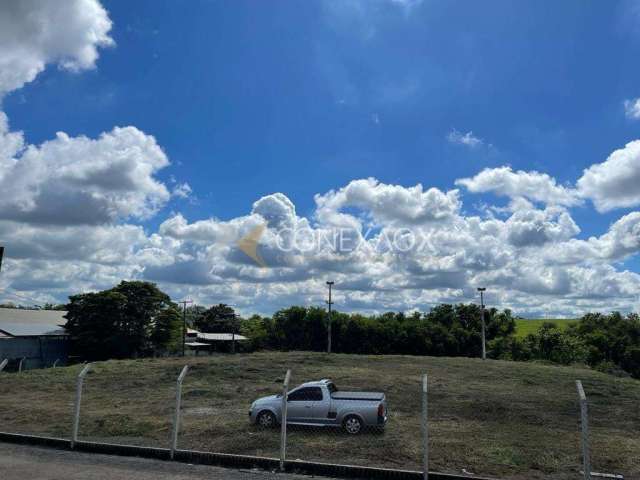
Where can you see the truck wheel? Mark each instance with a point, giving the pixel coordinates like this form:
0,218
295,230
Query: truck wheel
266,419
352,425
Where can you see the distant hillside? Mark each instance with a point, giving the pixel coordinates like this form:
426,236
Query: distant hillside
525,326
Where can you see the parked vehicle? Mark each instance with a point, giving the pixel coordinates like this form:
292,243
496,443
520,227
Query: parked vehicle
322,404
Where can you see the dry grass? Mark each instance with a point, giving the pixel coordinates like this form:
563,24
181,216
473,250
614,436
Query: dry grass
504,419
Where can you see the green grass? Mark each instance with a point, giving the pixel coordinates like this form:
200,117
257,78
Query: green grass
494,418
525,326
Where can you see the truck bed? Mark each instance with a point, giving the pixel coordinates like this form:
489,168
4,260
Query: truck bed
370,396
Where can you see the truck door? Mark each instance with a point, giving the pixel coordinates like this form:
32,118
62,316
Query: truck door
300,404
322,406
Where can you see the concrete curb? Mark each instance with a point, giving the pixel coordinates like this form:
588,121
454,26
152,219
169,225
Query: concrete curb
230,460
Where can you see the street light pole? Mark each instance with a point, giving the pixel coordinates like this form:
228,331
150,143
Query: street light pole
484,345
329,321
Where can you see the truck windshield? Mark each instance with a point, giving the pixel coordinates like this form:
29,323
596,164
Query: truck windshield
332,388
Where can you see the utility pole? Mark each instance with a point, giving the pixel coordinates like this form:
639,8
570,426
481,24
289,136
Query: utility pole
329,322
234,318
184,322
484,345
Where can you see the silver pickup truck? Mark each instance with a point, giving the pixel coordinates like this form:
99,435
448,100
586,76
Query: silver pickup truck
322,404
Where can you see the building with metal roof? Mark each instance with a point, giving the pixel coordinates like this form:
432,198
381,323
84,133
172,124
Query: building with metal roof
209,342
37,337
221,337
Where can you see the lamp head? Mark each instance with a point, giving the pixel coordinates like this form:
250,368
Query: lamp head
482,289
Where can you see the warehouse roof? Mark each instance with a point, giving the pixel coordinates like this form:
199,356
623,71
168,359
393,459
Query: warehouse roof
17,322
220,337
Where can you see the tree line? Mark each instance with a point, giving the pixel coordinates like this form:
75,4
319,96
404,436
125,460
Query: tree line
607,342
137,319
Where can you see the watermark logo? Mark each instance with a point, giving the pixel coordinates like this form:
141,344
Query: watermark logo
249,244
344,241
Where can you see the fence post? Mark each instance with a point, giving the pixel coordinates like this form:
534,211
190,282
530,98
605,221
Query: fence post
584,421
283,420
4,364
425,430
176,415
76,415
20,364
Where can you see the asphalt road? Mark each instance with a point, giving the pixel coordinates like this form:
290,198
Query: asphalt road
19,462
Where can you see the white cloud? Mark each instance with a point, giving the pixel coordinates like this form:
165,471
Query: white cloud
182,190
387,203
277,210
78,180
104,244
615,183
530,227
632,108
619,242
468,139
69,208
34,33
531,261
533,185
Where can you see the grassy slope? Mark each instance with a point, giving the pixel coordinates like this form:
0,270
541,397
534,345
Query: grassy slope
515,420
524,326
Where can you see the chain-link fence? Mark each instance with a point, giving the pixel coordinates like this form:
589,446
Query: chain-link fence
122,405
473,425
38,402
215,410
356,420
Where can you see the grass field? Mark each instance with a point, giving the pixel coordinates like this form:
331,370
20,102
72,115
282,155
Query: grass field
525,326
495,418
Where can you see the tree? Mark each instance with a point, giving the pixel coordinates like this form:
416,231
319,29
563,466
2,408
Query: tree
193,314
288,332
611,338
167,331
219,318
552,344
256,329
115,323
95,323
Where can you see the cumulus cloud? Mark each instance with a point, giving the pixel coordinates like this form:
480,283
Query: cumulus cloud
533,185
78,180
104,244
615,183
531,227
619,242
70,210
520,257
467,139
277,210
632,108
34,33
388,203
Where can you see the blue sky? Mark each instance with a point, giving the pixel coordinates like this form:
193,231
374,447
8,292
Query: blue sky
249,98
